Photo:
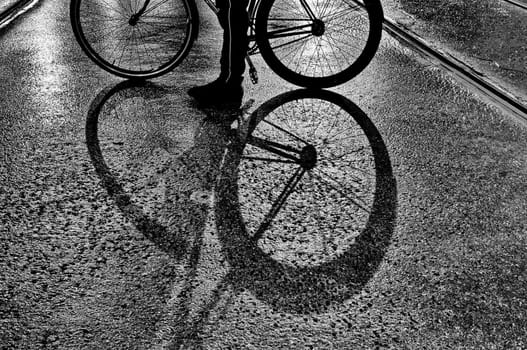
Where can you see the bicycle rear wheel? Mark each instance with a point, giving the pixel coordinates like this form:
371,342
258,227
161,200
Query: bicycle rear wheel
318,43
134,41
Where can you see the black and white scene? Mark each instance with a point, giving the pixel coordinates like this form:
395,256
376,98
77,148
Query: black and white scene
263,174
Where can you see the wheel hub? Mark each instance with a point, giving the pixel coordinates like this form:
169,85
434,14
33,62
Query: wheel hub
133,20
318,28
308,157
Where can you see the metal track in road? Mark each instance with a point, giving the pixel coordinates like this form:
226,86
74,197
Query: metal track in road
15,10
466,74
517,3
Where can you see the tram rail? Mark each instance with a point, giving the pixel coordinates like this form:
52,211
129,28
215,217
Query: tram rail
13,11
467,75
517,3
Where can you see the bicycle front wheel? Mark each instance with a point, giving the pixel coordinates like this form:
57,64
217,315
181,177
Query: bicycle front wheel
135,39
314,43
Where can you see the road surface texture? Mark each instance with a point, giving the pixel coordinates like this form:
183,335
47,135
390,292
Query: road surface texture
125,223
487,35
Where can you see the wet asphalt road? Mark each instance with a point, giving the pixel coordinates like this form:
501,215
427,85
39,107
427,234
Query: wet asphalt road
4,5
117,234
489,35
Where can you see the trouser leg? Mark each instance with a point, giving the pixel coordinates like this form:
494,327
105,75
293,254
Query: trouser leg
234,20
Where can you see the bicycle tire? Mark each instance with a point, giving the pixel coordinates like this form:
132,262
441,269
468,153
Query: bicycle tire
329,39
151,46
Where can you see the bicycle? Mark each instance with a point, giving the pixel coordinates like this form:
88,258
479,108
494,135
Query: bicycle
310,43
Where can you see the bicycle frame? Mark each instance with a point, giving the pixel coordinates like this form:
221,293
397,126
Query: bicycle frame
253,47
253,9
253,5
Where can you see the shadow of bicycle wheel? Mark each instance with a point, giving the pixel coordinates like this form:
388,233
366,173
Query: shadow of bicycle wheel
315,279
156,160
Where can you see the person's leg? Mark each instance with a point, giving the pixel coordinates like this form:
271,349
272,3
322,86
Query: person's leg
234,19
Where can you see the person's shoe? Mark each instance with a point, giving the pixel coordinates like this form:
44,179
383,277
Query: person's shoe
218,94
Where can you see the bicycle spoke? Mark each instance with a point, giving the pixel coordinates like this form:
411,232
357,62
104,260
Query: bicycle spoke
152,8
340,35
308,10
169,18
151,44
289,31
344,56
118,10
320,8
340,42
291,42
296,137
154,24
289,19
329,66
335,185
274,147
296,10
115,30
144,49
250,153
105,15
111,29
115,47
269,160
279,203
340,14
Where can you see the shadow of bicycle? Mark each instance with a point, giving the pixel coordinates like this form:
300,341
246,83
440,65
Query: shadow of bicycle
306,205
157,159
303,195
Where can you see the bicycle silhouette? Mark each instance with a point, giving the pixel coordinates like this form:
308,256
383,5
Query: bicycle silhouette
309,43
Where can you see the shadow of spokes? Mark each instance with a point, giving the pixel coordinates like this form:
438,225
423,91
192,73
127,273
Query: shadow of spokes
287,122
